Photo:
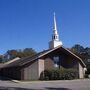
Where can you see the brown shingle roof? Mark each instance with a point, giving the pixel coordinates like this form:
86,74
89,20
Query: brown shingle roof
28,59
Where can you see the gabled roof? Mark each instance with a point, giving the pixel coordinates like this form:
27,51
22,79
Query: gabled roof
23,61
67,51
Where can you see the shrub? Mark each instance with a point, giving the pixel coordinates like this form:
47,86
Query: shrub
68,74
88,70
59,74
54,74
45,75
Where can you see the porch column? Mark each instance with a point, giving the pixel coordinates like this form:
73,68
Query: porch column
81,71
40,66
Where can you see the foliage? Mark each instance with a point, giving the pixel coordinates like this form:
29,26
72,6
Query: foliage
45,75
82,52
88,70
59,74
1,58
11,54
78,48
84,57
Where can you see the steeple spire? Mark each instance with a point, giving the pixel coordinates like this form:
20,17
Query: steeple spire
55,37
55,26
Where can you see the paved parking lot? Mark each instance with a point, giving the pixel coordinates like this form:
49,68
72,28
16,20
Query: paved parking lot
46,85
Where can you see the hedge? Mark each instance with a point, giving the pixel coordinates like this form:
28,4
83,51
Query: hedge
59,74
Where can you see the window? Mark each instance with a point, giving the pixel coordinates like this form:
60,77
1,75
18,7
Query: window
54,37
56,61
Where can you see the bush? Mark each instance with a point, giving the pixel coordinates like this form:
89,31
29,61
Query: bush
68,74
45,75
59,74
88,70
54,74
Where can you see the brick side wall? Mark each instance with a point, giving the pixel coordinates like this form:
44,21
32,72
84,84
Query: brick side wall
40,66
81,71
31,72
49,64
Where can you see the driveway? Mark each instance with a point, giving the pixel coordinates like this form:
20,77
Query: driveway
46,85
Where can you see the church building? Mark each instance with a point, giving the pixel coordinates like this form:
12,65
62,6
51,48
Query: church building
30,68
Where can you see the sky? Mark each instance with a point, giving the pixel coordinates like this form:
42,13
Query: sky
29,23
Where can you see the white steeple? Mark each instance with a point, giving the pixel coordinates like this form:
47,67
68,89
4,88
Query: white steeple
55,37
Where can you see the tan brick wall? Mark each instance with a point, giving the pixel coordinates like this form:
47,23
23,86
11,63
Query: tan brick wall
81,71
31,72
40,66
49,64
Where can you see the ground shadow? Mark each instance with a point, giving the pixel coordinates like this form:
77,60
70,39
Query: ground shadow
52,88
4,78
18,88
15,88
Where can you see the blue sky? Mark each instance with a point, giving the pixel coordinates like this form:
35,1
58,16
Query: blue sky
29,23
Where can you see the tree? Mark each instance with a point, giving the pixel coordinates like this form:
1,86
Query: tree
1,58
87,49
11,54
81,52
78,48
29,52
